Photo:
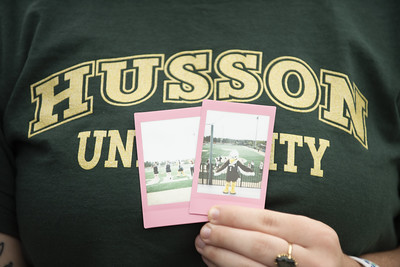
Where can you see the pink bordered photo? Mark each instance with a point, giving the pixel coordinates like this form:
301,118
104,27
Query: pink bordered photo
166,146
232,158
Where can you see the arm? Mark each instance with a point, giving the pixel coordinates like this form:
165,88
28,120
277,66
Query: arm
220,169
385,258
237,236
245,170
10,252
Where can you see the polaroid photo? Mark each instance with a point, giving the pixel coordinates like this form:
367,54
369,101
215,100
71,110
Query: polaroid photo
166,146
232,158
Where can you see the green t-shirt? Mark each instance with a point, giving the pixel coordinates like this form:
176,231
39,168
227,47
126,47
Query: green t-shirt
73,74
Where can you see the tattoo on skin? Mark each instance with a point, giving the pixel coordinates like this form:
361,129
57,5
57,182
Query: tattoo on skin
11,264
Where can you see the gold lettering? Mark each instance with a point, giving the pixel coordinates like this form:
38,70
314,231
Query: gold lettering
143,75
83,136
317,154
345,107
272,165
239,71
279,72
291,141
74,90
124,152
189,79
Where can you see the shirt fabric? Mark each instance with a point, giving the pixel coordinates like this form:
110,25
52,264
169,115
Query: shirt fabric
73,73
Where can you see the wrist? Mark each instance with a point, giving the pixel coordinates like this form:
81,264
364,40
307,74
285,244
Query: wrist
349,262
364,262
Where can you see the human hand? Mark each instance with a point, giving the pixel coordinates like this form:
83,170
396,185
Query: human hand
237,236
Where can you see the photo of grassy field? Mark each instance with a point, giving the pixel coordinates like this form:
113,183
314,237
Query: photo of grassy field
177,180
242,134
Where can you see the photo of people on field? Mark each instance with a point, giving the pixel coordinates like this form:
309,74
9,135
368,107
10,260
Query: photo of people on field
233,154
169,150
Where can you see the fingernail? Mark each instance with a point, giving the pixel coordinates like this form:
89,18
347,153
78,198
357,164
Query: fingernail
200,243
205,232
213,214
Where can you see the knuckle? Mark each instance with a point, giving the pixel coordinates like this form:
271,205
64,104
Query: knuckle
328,237
267,221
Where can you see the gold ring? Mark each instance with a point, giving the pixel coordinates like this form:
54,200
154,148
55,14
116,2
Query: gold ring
286,260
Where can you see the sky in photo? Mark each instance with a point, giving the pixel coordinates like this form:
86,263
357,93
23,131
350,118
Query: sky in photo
170,140
237,126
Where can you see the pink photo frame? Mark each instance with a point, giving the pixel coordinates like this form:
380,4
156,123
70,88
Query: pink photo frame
232,137
166,146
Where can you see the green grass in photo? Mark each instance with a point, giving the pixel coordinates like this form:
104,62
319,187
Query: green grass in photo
168,186
246,155
178,180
